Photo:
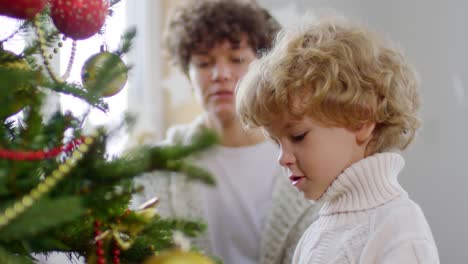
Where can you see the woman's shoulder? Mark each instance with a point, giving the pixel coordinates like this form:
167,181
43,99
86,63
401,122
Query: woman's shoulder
183,133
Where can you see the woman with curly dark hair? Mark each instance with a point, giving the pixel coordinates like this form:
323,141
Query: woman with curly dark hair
253,216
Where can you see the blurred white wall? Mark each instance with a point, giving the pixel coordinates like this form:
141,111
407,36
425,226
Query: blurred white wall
435,38
145,95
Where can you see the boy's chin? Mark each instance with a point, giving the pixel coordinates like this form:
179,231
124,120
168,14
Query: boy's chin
313,197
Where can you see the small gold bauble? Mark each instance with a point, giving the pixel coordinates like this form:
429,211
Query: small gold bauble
179,257
9,60
95,64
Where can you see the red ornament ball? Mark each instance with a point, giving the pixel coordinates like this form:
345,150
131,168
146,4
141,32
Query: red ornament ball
79,19
22,9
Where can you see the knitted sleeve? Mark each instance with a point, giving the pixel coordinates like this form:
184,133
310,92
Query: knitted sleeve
413,251
159,183
291,214
154,186
295,236
400,234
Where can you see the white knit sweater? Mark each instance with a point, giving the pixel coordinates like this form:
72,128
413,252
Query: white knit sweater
286,221
368,218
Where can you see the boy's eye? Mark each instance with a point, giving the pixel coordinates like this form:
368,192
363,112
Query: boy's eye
298,138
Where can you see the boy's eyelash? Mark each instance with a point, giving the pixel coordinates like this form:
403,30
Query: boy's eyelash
298,138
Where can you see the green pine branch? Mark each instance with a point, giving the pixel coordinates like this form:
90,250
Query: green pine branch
7,258
23,228
157,236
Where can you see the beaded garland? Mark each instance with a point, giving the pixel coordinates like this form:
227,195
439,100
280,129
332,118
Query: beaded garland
47,184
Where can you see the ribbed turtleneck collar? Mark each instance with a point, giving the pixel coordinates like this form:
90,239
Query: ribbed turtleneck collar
366,184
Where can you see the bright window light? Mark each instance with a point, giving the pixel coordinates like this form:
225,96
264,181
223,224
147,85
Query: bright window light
114,29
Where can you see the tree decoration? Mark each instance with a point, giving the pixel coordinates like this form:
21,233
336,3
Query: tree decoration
44,187
22,9
179,257
43,51
101,259
79,19
92,74
18,91
40,154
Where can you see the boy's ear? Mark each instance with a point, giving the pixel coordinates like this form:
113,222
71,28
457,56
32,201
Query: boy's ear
364,132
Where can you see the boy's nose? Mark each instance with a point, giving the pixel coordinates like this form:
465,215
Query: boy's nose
221,72
285,158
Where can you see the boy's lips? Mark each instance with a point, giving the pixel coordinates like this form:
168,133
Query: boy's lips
295,179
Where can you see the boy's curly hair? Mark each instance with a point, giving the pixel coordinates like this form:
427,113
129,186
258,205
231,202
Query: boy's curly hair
198,25
339,73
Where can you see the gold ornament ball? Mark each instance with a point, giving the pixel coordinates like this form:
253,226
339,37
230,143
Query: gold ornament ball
10,60
95,63
179,257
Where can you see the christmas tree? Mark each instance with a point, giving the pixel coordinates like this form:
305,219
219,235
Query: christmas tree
59,190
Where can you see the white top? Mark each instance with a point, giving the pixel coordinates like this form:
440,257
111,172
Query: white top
244,192
368,218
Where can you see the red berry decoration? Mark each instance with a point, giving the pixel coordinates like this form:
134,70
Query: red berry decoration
79,19
22,9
